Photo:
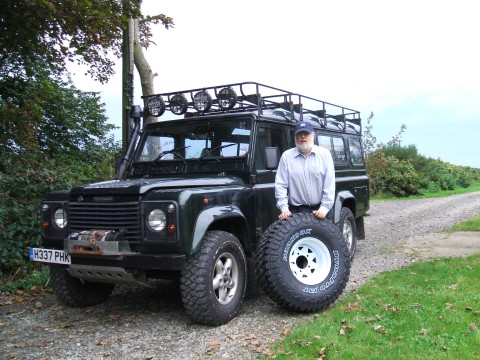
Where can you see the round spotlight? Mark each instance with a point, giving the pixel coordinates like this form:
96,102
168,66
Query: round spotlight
155,105
202,101
227,98
178,104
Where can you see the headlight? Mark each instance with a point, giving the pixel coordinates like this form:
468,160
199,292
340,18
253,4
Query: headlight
157,220
60,218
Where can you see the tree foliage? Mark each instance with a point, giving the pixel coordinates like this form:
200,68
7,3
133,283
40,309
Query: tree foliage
55,32
49,115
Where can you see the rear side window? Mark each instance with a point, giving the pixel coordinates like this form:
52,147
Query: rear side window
356,154
336,146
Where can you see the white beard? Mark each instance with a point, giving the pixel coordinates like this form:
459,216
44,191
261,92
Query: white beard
304,148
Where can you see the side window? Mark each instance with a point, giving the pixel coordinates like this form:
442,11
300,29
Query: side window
336,146
268,137
356,151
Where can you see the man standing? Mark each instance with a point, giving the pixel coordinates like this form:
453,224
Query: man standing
305,180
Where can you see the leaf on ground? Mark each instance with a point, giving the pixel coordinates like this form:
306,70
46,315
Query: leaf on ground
100,342
43,343
423,331
64,325
214,343
372,319
322,353
453,287
473,326
210,351
449,306
114,317
351,307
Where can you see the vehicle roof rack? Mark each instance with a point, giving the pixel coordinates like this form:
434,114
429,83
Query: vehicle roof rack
254,97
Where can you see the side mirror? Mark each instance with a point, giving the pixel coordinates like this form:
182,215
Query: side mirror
272,156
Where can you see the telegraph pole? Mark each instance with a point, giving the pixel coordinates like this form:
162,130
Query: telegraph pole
127,76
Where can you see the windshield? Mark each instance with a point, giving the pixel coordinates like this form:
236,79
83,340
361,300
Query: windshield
196,140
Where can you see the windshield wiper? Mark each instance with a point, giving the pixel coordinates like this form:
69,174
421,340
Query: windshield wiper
209,151
172,151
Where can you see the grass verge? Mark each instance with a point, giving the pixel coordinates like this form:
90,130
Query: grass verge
470,225
429,310
443,193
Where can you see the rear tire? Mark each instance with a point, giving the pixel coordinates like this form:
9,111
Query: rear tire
214,280
348,227
303,263
75,292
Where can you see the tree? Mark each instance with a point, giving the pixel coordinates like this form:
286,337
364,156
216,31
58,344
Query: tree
55,32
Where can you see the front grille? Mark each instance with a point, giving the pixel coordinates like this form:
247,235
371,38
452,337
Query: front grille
122,217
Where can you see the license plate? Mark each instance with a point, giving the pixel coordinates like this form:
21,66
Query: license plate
50,256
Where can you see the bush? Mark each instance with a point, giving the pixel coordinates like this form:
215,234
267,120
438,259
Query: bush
389,175
401,171
24,180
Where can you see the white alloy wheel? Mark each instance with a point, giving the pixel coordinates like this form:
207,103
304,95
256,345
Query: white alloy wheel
310,261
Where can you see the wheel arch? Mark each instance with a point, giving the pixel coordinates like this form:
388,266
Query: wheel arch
344,199
226,218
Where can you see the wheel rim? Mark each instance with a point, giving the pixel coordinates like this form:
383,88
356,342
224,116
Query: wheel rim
310,261
225,278
348,234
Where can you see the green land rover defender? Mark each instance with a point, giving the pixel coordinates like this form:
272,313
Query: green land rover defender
194,201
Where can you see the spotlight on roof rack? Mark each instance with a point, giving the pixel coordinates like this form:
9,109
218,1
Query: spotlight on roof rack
155,105
202,101
227,98
178,104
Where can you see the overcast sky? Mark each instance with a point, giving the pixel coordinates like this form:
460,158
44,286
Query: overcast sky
409,62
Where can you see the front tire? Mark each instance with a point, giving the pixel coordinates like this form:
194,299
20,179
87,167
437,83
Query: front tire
214,280
303,263
75,292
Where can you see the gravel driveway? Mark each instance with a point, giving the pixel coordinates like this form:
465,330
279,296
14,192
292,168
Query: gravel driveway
152,324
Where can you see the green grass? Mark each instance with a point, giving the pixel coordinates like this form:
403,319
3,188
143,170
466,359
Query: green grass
470,225
429,310
443,193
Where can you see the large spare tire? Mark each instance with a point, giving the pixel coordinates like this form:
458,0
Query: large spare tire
303,263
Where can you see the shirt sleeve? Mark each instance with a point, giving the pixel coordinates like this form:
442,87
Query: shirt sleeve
328,196
281,184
